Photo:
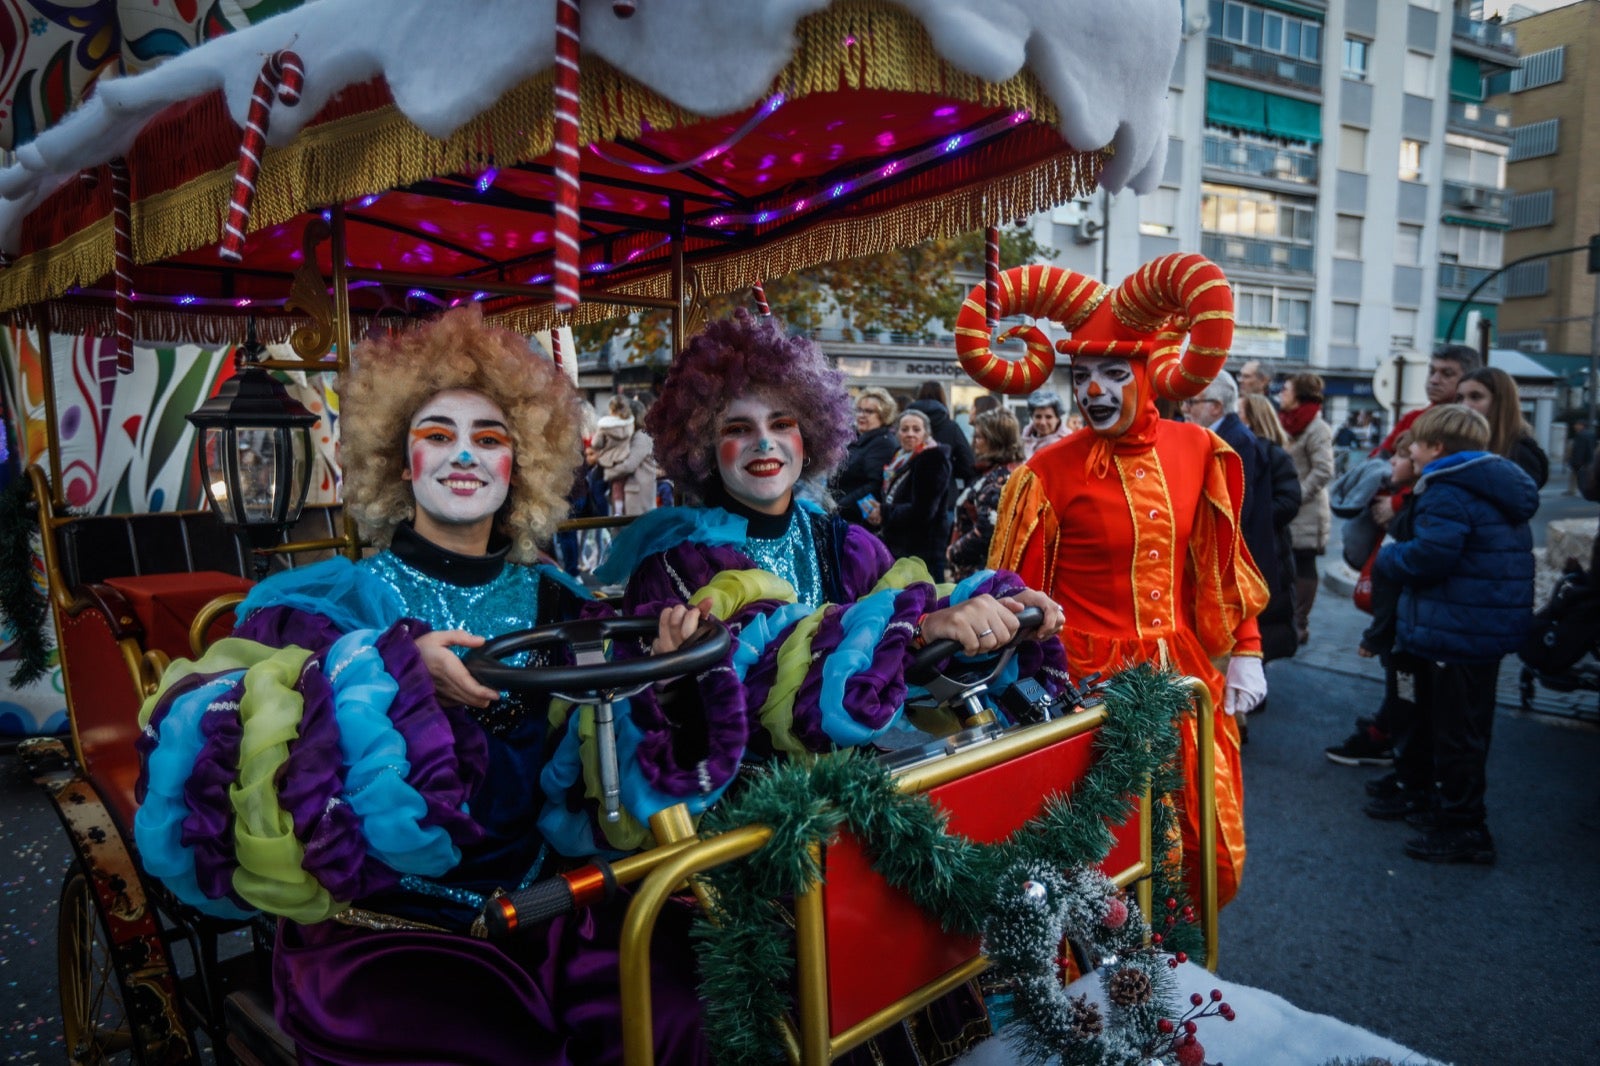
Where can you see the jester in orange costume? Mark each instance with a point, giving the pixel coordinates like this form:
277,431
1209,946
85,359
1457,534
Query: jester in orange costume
1132,523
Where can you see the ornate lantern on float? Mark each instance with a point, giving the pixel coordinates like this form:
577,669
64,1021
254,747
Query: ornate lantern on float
255,452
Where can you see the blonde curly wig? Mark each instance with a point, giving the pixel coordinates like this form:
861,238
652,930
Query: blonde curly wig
392,377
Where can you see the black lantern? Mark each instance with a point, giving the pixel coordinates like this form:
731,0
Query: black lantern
255,452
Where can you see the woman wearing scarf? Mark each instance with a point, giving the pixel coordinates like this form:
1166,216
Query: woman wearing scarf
911,520
1311,447
996,444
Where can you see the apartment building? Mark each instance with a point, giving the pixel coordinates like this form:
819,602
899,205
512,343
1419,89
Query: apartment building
1554,100
1339,161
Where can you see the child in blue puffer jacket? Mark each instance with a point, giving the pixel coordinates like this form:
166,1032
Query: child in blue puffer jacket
1466,600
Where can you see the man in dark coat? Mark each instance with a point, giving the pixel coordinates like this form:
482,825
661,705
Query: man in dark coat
1216,408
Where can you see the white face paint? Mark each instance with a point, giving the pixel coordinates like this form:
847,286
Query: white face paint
1103,385
459,462
760,454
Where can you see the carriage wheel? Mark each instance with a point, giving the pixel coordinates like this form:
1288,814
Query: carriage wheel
93,1012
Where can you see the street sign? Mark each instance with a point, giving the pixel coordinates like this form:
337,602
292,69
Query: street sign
1409,372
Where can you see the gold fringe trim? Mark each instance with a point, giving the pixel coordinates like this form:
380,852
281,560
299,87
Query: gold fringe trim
1027,192
377,151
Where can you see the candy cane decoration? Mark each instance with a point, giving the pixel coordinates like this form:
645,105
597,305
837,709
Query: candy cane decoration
566,87
761,300
283,76
991,274
122,261
555,345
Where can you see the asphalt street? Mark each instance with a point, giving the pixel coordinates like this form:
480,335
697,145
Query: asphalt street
1465,964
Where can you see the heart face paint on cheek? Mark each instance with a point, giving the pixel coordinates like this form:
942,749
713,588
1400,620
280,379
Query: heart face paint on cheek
461,458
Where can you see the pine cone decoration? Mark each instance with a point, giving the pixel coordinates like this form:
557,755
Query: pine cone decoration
1086,1023
1129,987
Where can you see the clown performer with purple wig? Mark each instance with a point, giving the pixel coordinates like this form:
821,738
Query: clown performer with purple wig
335,765
752,422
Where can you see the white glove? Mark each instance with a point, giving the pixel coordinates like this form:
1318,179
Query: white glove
1247,685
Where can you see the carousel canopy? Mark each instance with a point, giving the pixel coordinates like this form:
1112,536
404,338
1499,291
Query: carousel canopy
751,139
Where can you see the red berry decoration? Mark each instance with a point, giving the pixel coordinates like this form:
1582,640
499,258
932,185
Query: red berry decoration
1155,938
1165,1025
1196,999
1116,913
1191,1053
1216,995
1172,904
1182,956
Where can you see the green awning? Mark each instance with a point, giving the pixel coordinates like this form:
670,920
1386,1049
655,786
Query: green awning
1447,311
1478,223
1293,9
1466,79
1268,114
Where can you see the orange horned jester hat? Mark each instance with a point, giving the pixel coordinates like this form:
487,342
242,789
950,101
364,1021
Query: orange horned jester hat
1144,320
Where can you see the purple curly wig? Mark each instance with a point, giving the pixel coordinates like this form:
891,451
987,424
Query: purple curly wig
735,357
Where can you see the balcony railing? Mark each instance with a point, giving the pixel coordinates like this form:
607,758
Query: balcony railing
1261,160
1226,55
1486,34
1458,280
1253,253
1480,119
1482,200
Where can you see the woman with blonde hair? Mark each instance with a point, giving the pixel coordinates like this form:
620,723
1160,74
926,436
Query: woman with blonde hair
859,480
384,793
1279,638
1492,393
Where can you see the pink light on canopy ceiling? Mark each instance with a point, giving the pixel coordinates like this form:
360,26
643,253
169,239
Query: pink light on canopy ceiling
771,104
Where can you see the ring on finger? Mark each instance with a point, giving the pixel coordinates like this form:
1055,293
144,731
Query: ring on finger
986,633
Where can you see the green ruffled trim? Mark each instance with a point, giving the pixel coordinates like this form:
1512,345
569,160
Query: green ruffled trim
270,874
227,654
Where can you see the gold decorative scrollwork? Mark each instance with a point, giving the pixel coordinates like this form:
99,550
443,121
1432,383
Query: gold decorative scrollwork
308,294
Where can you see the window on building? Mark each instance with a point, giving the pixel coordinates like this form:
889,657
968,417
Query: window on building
1474,246
1352,148
1355,58
1257,213
1270,31
1158,213
1408,245
1411,160
1535,139
1528,279
1175,113
1269,307
1531,209
1540,68
1419,74
1474,166
1347,236
1403,328
1343,326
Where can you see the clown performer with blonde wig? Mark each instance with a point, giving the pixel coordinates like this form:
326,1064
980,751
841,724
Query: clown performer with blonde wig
751,422
1134,526
336,765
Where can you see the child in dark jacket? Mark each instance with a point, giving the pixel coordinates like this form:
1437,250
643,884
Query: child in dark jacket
1378,638
1466,600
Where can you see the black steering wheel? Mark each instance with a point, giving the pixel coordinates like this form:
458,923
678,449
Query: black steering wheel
592,670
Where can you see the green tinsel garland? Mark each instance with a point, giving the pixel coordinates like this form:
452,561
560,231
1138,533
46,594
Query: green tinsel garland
26,612
745,954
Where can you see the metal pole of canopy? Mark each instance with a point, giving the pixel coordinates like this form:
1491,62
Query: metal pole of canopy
341,338
679,319
52,416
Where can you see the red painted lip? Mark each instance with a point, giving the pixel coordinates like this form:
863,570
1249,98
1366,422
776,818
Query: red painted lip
764,468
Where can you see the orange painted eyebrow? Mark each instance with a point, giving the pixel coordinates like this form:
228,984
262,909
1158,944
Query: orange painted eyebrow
426,430
499,436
